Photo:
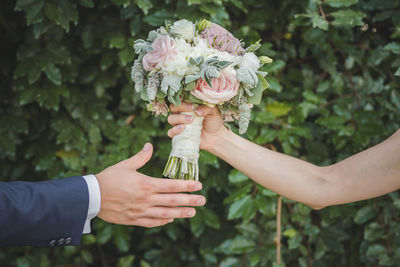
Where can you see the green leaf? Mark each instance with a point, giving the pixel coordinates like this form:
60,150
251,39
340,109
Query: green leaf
34,12
397,73
175,99
256,98
393,47
363,215
117,41
376,250
144,5
197,225
159,17
121,239
94,134
86,3
123,3
274,85
332,122
348,18
229,262
320,22
264,82
236,176
211,218
126,261
87,256
22,262
238,207
126,56
294,242
189,86
340,3
290,233
195,100
239,193
62,13
53,73
241,244
278,108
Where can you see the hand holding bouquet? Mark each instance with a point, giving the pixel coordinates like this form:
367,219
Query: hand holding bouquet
200,63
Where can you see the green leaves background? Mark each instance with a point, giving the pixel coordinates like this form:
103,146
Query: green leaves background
68,107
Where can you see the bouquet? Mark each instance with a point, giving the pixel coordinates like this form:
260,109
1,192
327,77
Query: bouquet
201,63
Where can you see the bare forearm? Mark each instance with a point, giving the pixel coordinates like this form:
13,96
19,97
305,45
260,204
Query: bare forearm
288,176
368,174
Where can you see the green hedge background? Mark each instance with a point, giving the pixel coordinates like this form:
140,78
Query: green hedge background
68,107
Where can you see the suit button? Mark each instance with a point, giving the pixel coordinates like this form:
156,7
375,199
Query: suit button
60,241
67,241
52,243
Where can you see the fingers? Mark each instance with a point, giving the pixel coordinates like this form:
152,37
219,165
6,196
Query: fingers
173,185
207,111
175,200
175,119
150,222
141,158
184,107
170,213
176,130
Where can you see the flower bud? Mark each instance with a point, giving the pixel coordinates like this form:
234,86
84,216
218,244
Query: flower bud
203,24
265,59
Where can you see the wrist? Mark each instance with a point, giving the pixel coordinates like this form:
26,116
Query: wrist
222,139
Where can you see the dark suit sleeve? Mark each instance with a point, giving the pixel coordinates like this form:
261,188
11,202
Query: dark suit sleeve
50,213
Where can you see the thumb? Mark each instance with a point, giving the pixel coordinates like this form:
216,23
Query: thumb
141,158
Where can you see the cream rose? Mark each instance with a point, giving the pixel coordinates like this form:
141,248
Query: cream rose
163,47
183,29
223,88
251,61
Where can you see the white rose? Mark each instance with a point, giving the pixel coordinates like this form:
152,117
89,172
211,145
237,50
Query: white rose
250,60
177,65
183,29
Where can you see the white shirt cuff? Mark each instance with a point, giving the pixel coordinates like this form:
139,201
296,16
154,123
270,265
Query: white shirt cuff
94,200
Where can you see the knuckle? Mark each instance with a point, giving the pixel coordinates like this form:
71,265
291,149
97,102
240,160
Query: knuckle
145,187
164,214
177,129
173,186
173,201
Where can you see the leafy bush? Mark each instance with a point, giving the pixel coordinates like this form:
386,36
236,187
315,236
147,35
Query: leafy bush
68,108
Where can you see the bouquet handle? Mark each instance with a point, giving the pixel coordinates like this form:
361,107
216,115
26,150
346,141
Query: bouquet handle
183,159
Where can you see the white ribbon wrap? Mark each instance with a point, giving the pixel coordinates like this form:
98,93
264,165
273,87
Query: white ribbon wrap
186,144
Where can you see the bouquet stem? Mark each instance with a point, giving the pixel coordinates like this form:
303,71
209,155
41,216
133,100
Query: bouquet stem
183,160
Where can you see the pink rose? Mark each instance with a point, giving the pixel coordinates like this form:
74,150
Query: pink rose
163,47
223,88
221,39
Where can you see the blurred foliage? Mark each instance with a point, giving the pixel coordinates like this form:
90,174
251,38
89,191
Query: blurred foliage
68,108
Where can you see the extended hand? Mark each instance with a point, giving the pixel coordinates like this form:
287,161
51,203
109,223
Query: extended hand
131,198
212,123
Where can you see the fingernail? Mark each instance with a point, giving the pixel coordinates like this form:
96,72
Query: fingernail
191,213
180,126
201,201
170,220
199,112
198,186
188,118
146,147
191,106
